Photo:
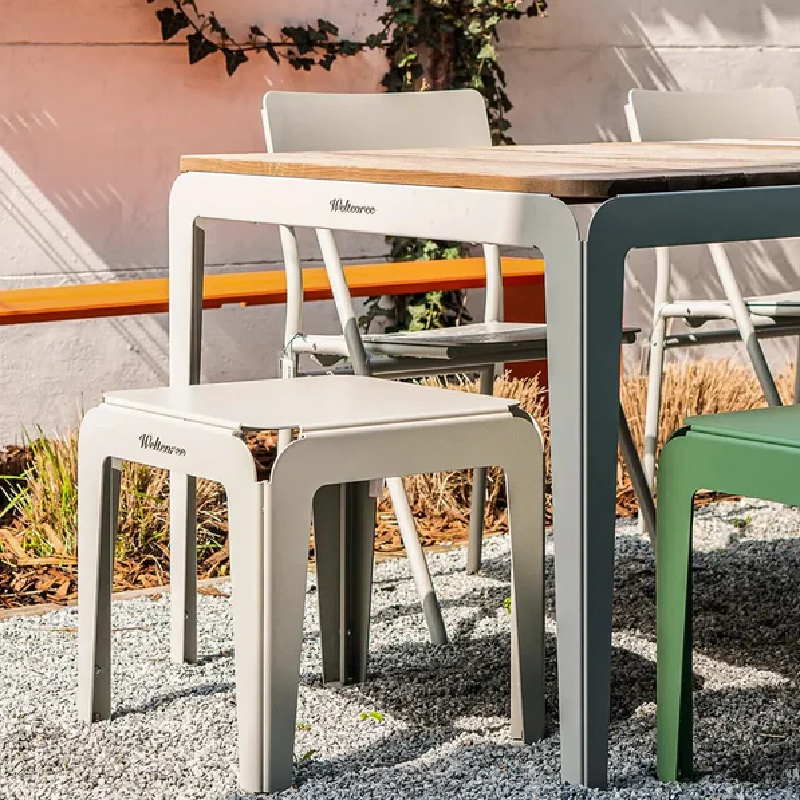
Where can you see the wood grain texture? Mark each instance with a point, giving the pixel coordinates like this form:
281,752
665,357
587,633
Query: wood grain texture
572,172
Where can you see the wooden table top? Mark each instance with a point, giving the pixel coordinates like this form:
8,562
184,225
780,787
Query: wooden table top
577,172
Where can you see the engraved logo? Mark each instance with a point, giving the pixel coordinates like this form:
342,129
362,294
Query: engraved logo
149,442
346,207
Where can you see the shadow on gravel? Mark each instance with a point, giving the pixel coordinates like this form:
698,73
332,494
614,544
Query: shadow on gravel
746,603
161,700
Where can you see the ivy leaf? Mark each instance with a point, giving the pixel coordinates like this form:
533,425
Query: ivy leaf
327,27
375,40
233,59
256,31
487,52
199,47
216,27
172,22
272,52
327,61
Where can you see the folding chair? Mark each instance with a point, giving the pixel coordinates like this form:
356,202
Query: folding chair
298,121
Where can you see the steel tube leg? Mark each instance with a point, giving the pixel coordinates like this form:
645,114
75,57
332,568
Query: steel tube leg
478,506
647,510
416,561
98,506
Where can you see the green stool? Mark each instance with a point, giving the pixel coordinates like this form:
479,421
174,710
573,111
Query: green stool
751,453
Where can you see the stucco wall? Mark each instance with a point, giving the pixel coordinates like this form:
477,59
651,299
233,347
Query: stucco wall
95,111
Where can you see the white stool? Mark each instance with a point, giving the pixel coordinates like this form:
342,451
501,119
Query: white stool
353,430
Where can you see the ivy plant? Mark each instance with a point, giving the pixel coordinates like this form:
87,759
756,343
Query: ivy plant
313,44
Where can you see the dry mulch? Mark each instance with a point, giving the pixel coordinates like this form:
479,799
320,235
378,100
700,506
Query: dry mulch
27,580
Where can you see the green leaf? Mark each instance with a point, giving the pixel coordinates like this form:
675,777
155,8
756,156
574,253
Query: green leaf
199,47
172,22
487,52
327,27
233,59
272,52
507,605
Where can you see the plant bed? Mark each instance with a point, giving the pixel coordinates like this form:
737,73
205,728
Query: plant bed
38,531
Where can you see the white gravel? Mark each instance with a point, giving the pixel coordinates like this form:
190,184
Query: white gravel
442,730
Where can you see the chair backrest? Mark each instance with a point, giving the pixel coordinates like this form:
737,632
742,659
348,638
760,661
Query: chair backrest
655,116
295,121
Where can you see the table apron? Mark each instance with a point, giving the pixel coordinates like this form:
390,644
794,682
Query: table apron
467,215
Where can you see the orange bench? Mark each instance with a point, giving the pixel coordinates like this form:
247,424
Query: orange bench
121,298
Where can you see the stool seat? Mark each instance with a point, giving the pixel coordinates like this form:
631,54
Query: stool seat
317,403
775,425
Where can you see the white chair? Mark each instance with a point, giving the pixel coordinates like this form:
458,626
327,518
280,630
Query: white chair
298,121
393,428
655,116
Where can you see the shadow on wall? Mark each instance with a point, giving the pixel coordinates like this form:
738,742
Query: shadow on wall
91,129
569,76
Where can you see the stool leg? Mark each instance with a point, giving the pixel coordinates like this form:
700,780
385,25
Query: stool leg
287,520
183,567
328,541
674,603
344,539
246,534
478,507
359,555
98,506
525,490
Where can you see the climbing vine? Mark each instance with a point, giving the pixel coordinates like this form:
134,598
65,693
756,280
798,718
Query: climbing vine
443,44
429,44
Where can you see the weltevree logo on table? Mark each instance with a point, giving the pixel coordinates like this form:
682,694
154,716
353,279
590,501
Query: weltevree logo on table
149,442
346,207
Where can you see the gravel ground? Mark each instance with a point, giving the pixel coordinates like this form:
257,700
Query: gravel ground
441,727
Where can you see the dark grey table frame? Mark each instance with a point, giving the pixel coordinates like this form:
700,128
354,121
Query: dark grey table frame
584,312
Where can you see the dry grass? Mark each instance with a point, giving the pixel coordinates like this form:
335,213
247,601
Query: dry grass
39,541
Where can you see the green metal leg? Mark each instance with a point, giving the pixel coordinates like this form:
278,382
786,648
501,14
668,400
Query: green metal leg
735,464
674,587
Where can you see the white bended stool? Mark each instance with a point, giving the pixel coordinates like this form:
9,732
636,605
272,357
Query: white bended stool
353,430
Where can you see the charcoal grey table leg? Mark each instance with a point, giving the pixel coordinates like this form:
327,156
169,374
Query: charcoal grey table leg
584,343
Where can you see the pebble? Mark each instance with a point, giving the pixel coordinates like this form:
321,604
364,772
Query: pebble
442,729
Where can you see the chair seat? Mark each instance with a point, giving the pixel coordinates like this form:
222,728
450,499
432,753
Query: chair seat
476,334
778,425
315,403
784,304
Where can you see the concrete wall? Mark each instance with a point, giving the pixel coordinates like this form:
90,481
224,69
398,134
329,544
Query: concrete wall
569,76
95,111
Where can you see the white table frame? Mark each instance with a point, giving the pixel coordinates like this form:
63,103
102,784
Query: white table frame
584,286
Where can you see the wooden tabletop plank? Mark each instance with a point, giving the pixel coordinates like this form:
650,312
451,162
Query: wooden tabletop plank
577,172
